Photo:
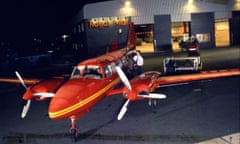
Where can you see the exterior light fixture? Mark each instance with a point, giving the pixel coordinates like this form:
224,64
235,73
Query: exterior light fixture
127,3
190,1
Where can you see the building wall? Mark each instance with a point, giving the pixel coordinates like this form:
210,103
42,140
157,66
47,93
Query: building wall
202,26
235,5
96,36
143,11
162,33
235,29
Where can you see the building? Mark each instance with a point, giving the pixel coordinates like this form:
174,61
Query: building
163,23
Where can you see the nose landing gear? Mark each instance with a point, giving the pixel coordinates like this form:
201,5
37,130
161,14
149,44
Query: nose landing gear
73,129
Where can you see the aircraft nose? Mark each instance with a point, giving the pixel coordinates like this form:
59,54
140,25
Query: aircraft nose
67,100
58,107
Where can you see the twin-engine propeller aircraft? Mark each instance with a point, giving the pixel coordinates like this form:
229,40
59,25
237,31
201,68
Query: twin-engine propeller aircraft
96,78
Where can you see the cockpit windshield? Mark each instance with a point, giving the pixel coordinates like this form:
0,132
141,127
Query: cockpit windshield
89,71
77,71
92,71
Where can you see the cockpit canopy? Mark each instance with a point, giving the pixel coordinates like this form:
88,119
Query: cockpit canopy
93,71
101,67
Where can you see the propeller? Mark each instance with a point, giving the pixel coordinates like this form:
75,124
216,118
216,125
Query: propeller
25,109
123,110
21,80
44,94
123,77
126,82
154,96
28,103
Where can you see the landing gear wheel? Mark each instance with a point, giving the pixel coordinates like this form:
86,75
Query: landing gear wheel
73,129
153,104
74,133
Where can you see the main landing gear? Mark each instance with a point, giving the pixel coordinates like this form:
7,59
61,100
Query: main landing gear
73,129
153,103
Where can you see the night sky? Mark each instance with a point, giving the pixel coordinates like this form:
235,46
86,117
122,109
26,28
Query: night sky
22,20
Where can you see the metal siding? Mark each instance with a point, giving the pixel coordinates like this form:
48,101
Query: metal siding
142,20
144,10
162,33
235,31
99,39
109,8
204,23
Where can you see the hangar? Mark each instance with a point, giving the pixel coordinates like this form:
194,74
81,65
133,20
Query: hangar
161,24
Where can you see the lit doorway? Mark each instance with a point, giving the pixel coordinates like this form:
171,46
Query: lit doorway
180,32
144,38
222,33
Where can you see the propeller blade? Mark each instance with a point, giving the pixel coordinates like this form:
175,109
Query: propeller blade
28,103
21,80
123,110
123,77
154,96
26,108
44,94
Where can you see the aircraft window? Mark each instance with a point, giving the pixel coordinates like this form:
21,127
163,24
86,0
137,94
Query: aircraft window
77,72
124,61
119,63
110,68
93,72
107,70
113,65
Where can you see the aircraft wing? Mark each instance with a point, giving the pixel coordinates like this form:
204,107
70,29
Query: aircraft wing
28,81
142,86
38,89
177,79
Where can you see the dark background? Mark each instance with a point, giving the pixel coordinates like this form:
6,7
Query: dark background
23,20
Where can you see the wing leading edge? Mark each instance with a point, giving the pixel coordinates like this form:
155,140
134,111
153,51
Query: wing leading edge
17,81
167,80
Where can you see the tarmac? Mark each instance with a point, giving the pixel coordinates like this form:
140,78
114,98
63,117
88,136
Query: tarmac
203,112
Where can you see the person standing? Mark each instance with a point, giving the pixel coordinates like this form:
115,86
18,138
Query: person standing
193,46
138,60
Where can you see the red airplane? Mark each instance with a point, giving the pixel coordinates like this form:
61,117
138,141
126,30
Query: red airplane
94,79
